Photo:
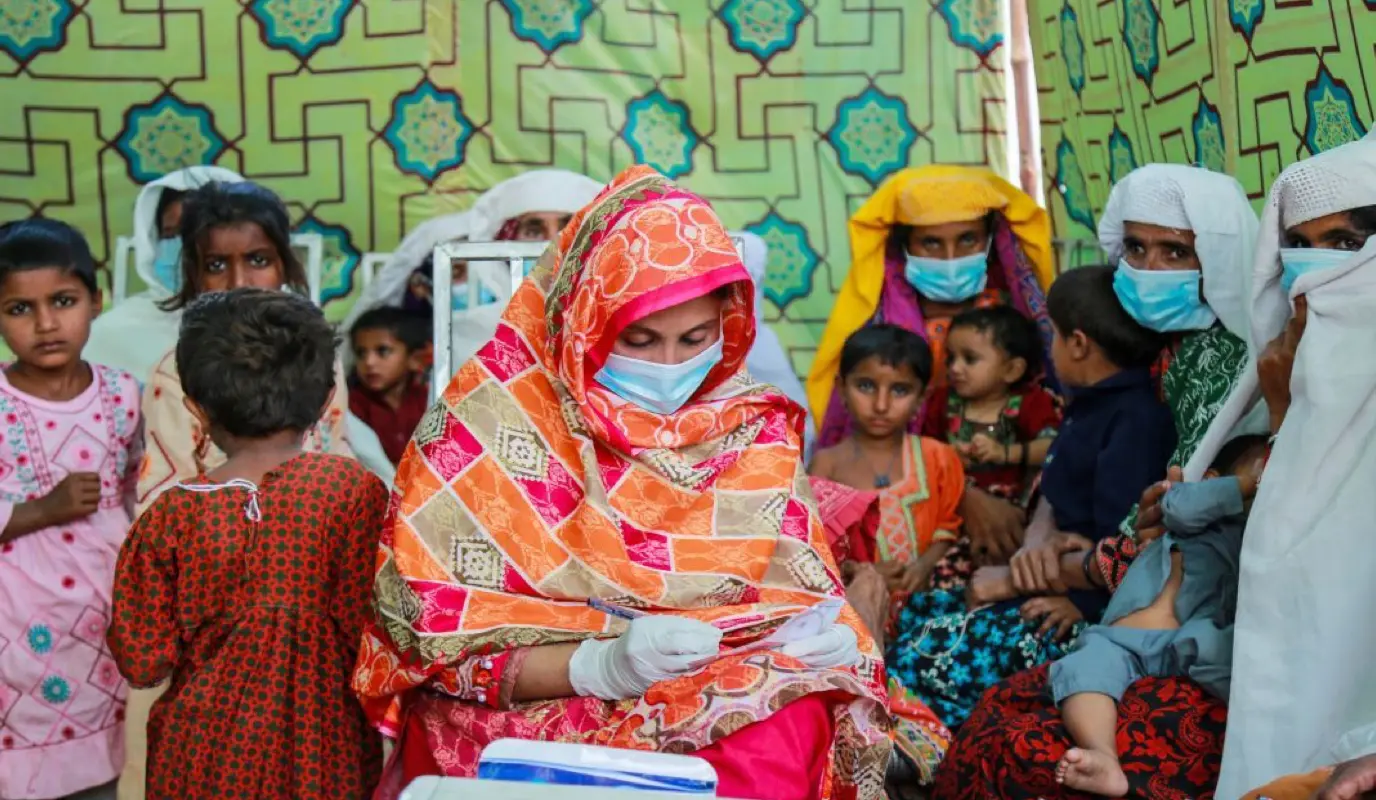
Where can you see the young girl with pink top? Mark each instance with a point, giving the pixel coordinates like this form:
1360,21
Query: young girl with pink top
68,462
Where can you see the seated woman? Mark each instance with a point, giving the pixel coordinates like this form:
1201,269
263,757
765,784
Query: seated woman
932,242
1302,691
134,334
232,235
1013,740
605,457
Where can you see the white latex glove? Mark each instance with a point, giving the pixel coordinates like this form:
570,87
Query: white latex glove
653,649
836,646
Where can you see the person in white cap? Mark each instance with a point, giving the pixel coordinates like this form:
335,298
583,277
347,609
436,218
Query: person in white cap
1303,694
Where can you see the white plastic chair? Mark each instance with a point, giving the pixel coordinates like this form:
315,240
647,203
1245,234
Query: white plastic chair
119,281
514,254
314,246
368,266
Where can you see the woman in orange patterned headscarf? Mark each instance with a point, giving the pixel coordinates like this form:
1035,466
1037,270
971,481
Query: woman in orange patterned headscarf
549,495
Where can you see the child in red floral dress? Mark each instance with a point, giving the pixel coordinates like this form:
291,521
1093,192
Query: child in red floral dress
994,412
250,587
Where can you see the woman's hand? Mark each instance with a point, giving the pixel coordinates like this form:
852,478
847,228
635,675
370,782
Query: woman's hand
1150,521
1277,364
1037,568
653,649
1350,780
995,526
1057,614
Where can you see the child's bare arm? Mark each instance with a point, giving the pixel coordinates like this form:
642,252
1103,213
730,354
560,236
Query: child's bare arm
990,585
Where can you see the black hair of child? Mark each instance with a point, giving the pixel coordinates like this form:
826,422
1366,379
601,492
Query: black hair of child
1016,335
1229,458
43,244
892,345
258,362
217,204
411,329
1082,299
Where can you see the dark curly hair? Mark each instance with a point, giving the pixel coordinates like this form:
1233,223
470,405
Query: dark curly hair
258,362
215,205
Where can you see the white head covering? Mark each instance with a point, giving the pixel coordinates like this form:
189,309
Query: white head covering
768,361
1332,182
549,190
552,190
146,233
1210,204
389,284
1302,694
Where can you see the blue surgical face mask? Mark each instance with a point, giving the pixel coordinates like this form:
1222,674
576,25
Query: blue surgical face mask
167,264
953,281
661,388
1297,261
458,296
1163,300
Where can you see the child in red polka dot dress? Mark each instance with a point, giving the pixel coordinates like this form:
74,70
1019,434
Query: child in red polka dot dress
250,585
68,465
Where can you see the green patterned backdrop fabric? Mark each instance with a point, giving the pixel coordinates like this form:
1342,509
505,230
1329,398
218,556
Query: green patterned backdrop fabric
1240,86
371,116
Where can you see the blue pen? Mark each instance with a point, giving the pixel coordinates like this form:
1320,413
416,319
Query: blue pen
610,610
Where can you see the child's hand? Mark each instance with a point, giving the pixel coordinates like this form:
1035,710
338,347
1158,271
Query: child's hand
964,452
984,450
76,497
1056,613
989,585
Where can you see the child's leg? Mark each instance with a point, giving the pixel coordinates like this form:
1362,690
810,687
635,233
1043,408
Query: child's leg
1087,685
1092,720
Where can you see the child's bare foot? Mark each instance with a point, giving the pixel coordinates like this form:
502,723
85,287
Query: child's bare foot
1093,772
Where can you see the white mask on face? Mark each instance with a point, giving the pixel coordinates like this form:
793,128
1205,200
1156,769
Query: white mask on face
661,388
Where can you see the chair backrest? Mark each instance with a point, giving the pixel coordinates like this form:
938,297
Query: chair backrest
313,246
119,282
368,266
514,254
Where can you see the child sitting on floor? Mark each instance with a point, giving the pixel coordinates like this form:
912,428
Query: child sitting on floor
249,586
388,390
1171,616
885,370
68,464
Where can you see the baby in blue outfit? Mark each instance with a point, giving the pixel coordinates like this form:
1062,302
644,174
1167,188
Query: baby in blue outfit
1171,616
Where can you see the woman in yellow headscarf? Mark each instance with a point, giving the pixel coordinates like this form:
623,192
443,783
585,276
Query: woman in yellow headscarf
930,243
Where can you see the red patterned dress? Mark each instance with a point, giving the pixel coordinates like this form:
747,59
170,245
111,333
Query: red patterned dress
252,599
